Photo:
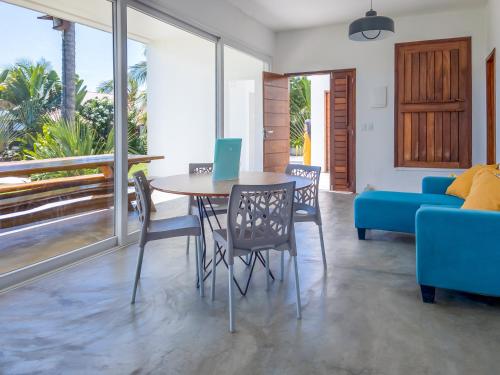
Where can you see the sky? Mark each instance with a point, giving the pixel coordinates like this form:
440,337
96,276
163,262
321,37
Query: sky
26,37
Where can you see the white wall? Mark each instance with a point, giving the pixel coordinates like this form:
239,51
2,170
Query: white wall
319,84
221,18
243,105
493,41
181,103
329,48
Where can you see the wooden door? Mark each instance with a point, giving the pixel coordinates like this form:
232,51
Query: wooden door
276,122
433,104
491,108
343,130
327,131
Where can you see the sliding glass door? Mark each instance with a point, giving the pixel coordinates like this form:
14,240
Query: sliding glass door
56,129
171,101
70,139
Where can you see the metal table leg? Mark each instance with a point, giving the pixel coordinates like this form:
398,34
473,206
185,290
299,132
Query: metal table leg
252,259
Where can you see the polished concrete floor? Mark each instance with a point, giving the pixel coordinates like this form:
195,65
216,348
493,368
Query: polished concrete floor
35,242
363,316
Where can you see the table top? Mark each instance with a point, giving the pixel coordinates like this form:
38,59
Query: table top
203,185
26,167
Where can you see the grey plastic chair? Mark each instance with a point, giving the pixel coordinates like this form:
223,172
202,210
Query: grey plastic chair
260,218
218,205
306,203
152,230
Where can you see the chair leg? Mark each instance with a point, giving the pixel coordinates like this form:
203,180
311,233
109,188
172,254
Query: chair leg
231,302
187,244
282,276
200,267
137,273
268,282
197,262
320,228
247,259
297,288
214,268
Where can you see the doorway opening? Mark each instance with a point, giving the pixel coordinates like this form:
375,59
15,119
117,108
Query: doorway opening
305,123
491,108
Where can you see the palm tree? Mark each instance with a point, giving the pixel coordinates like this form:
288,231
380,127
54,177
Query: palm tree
29,90
300,108
68,99
137,98
139,72
68,104
8,136
60,138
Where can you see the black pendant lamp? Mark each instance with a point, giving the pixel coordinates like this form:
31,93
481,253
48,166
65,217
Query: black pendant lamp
371,27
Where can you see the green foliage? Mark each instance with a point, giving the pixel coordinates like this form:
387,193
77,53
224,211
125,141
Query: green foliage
300,109
29,91
60,138
137,138
81,92
9,136
136,103
138,167
139,72
30,98
99,113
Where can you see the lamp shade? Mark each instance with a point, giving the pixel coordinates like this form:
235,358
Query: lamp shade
371,27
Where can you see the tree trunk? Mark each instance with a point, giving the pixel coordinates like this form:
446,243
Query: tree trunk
68,73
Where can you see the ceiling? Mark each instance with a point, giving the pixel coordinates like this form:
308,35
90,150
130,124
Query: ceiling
281,15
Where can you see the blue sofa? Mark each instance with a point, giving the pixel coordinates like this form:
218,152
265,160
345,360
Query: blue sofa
395,211
456,249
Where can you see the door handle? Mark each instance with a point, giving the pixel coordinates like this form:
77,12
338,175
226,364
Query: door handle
266,132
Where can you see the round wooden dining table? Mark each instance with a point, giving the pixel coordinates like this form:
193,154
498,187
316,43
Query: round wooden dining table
202,187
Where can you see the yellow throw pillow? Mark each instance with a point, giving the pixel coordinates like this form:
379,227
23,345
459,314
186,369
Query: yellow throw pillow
485,191
462,184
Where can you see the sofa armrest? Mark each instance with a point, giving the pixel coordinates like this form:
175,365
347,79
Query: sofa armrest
436,185
458,249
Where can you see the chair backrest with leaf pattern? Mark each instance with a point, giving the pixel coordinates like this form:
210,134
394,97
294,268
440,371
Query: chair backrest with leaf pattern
260,216
309,195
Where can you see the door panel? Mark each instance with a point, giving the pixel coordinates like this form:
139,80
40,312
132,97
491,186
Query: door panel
433,104
342,133
276,122
327,131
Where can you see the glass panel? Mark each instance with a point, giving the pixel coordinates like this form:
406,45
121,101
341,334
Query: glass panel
243,105
56,129
171,101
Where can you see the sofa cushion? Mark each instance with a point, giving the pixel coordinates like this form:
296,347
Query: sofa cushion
460,187
395,211
485,192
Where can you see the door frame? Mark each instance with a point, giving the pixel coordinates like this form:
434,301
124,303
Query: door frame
352,150
491,107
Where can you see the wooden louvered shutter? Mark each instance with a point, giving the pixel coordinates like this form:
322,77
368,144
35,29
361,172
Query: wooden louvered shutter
342,136
433,117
